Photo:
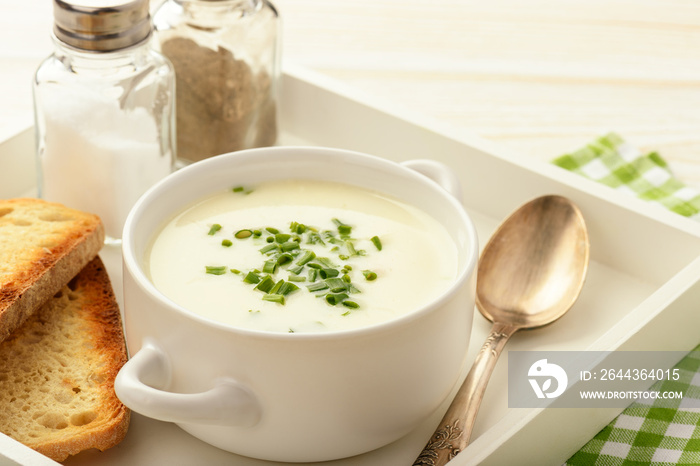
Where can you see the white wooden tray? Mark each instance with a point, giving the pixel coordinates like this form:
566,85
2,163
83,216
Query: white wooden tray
642,291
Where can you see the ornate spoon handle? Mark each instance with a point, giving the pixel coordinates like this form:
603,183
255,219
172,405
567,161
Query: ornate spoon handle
454,431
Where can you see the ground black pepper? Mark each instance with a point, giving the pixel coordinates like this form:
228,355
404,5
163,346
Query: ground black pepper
222,104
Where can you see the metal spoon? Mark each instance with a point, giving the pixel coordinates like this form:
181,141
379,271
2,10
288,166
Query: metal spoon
530,273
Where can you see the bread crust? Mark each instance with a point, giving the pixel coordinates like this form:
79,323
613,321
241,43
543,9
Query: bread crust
42,246
75,344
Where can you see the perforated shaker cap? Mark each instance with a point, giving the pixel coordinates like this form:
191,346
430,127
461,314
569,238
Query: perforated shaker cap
101,25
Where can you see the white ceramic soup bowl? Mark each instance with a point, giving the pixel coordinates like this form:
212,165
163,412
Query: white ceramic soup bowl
294,397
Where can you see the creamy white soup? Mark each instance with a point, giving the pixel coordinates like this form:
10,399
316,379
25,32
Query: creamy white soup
302,256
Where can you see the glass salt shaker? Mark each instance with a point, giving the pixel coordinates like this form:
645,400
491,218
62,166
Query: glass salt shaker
104,110
226,58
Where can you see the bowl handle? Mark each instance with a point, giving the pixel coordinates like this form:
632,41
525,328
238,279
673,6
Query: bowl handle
439,173
227,403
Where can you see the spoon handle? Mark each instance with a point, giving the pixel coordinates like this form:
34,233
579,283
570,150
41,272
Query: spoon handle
454,431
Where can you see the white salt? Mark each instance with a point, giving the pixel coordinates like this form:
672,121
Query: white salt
100,158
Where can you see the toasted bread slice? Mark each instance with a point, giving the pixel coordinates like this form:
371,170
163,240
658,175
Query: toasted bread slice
58,369
42,246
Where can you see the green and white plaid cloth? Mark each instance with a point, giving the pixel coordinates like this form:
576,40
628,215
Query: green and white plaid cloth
659,432
612,161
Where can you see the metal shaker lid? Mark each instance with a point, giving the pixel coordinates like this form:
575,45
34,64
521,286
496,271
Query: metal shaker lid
101,25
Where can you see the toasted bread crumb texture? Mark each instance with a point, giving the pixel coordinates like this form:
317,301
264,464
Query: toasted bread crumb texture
42,246
58,369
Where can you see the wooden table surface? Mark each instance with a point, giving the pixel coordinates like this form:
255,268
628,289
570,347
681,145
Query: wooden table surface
539,76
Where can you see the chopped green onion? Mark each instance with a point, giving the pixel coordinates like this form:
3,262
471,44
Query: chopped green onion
334,240
346,313
282,237
343,229
285,250
314,238
289,246
277,286
226,243
265,284
269,266
252,278
267,248
216,270
353,289
369,275
236,271
326,262
313,273
336,285
328,273
284,258
335,298
275,298
351,248
238,189
350,304
241,234
286,288
297,228
306,257
214,228
318,286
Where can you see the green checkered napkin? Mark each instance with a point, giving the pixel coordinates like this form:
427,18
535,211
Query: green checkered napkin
660,432
615,163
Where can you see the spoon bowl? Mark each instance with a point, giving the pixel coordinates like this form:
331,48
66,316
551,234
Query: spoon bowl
533,268
530,273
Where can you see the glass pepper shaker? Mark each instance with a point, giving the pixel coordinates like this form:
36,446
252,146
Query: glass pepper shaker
104,110
226,58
